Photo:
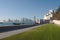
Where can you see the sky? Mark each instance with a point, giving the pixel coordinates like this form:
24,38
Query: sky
16,9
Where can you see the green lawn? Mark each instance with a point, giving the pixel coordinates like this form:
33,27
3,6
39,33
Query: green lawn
46,32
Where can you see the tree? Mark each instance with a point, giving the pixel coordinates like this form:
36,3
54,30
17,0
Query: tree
57,14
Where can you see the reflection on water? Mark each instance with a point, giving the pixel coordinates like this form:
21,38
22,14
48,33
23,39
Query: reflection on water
6,28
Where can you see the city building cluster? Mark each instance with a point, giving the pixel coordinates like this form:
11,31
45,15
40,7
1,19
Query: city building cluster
26,21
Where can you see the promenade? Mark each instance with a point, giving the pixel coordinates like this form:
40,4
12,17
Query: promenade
14,32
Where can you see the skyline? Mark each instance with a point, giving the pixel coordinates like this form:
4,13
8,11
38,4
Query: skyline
16,9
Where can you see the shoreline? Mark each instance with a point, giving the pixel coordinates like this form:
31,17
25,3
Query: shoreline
14,27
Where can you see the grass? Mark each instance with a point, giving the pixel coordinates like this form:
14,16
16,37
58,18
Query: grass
46,32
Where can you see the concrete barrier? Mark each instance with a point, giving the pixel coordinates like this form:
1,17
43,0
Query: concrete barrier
56,22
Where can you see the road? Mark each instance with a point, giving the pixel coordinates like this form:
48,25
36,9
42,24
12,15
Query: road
14,32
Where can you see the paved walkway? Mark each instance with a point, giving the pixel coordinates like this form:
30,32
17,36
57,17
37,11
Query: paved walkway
14,32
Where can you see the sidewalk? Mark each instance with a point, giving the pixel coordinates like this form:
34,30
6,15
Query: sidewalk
14,32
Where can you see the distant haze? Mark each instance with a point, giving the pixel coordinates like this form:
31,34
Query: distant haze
16,9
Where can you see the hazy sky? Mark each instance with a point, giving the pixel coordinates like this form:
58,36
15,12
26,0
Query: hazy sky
26,8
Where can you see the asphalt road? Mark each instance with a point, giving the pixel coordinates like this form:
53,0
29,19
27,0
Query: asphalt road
14,32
